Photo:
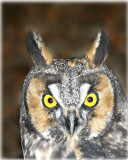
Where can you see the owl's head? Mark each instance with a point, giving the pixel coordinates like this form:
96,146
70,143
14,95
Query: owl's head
70,97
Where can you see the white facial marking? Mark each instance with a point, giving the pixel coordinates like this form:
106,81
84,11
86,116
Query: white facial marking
54,89
83,92
58,113
72,107
84,113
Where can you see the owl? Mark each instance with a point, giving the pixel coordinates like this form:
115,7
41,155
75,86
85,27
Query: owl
72,108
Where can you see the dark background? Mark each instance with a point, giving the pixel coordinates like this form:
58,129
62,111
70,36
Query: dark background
69,29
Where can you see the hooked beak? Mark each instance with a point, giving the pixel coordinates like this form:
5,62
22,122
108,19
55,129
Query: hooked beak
72,122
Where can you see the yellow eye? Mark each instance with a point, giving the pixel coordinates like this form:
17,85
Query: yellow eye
91,100
49,101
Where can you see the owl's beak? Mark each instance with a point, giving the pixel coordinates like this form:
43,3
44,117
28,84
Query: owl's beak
71,121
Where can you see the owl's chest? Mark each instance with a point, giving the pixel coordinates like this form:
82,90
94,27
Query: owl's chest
66,148
54,144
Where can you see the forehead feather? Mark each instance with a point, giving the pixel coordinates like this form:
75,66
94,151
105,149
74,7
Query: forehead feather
75,65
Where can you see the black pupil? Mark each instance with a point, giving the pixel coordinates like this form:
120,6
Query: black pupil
50,100
90,99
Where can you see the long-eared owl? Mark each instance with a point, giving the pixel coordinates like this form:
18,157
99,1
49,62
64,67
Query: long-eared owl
72,108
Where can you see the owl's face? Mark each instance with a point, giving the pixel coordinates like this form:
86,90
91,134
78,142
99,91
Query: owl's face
73,97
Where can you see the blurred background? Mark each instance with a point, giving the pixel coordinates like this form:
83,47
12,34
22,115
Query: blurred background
69,29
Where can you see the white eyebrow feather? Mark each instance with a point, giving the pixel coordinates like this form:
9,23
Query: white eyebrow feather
84,88
54,89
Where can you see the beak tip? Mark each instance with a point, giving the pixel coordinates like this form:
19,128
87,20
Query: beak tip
71,135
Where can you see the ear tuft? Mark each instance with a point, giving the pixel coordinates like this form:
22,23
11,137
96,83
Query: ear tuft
99,51
37,49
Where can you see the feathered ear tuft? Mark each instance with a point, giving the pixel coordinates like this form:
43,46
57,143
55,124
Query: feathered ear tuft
40,54
99,50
